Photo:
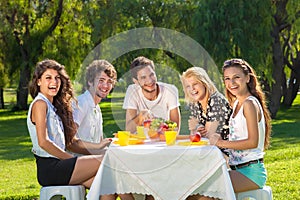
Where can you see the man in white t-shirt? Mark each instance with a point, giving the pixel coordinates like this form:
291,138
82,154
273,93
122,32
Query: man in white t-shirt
147,98
100,79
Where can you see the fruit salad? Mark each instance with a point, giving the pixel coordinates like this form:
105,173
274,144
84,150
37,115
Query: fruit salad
158,126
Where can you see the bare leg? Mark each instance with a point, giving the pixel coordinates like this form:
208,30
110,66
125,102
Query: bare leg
88,182
199,197
227,159
126,196
149,197
241,183
108,197
85,169
115,196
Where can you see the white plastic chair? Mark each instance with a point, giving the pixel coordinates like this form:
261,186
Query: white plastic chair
260,194
70,192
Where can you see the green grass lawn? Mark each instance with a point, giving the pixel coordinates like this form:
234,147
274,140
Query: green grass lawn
283,157
18,170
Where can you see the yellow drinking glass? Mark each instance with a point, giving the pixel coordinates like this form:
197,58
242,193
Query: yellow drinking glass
140,132
170,137
123,138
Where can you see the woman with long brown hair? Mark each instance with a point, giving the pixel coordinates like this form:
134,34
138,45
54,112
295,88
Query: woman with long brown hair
249,125
52,131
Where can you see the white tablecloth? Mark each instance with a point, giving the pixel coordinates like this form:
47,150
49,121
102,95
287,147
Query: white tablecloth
166,172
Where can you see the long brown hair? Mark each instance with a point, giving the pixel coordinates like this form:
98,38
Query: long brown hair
254,88
63,100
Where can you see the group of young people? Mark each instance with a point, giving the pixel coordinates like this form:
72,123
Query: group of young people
62,126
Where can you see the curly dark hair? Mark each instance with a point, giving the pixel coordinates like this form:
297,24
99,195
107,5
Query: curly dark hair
63,100
98,66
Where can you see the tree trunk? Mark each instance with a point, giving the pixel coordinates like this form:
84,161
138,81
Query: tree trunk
292,90
276,91
22,92
1,99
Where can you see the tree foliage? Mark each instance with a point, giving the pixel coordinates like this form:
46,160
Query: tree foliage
284,52
265,33
34,30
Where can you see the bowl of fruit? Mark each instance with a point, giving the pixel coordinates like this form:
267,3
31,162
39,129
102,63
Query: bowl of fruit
157,127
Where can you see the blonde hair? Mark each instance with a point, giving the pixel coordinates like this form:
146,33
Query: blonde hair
200,75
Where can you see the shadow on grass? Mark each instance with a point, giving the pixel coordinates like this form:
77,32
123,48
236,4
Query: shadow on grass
15,141
285,128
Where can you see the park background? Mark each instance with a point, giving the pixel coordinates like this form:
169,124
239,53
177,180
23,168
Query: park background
265,33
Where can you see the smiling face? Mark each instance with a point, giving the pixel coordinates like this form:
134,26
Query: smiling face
236,81
195,89
49,83
146,78
101,86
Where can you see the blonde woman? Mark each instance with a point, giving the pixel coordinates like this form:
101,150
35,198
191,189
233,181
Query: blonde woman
210,111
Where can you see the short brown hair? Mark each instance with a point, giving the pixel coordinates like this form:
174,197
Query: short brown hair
138,64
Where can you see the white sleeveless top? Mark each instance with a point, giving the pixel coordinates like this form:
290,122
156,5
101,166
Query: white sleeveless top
238,131
55,128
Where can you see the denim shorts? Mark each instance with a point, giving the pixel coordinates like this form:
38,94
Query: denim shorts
256,173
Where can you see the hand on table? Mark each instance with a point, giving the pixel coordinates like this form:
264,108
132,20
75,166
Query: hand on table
194,126
201,129
214,138
105,142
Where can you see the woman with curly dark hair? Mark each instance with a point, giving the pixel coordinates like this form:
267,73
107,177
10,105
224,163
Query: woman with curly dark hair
52,130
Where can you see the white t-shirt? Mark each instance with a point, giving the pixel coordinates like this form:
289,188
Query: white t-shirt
88,116
238,131
166,100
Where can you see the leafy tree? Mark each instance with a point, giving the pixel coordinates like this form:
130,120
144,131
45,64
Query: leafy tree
265,33
108,18
285,49
34,30
230,29
24,32
291,52
3,82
